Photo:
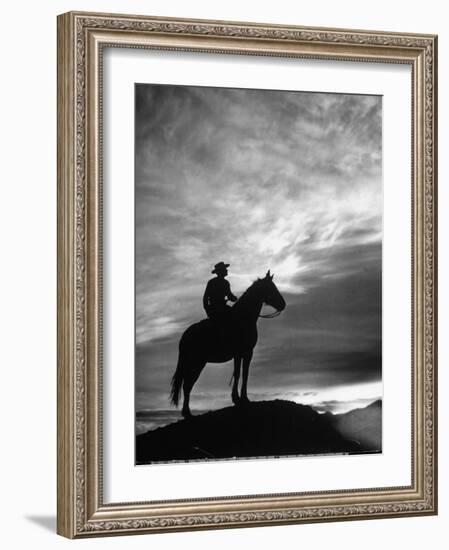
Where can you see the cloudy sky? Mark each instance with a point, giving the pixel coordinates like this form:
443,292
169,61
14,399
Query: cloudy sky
287,181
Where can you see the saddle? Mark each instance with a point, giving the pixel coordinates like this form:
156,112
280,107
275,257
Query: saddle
218,330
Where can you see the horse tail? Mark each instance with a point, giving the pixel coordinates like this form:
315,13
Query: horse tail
176,382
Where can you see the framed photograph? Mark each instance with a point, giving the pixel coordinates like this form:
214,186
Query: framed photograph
247,274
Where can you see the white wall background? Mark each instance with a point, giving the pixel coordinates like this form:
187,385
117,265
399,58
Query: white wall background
28,271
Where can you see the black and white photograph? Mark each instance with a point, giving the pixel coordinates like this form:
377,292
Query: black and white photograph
247,275
258,273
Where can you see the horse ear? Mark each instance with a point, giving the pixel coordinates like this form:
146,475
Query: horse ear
268,274
272,277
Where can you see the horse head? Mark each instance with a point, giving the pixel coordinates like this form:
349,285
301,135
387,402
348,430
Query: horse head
270,293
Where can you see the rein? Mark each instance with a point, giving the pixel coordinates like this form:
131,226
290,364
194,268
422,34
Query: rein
271,315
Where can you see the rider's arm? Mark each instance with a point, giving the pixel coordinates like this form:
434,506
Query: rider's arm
229,295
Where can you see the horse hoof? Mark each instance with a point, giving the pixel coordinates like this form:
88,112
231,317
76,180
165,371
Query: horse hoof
244,400
187,414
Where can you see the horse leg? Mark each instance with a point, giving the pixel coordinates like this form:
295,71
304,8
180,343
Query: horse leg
246,362
189,380
235,385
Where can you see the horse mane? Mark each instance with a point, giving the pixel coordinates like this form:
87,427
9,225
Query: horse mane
250,289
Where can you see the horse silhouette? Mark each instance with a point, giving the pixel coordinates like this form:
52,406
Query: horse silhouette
233,338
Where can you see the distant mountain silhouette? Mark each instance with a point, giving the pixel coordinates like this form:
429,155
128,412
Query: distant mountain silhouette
363,425
257,429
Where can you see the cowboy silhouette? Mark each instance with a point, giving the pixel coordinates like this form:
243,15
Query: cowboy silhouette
217,293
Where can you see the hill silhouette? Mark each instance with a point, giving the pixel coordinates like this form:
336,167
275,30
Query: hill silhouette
364,425
257,429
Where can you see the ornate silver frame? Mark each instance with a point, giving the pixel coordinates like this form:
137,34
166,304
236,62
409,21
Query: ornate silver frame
81,37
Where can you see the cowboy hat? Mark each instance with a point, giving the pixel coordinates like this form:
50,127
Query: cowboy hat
219,267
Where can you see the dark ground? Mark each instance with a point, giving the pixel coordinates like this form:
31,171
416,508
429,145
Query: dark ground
263,429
